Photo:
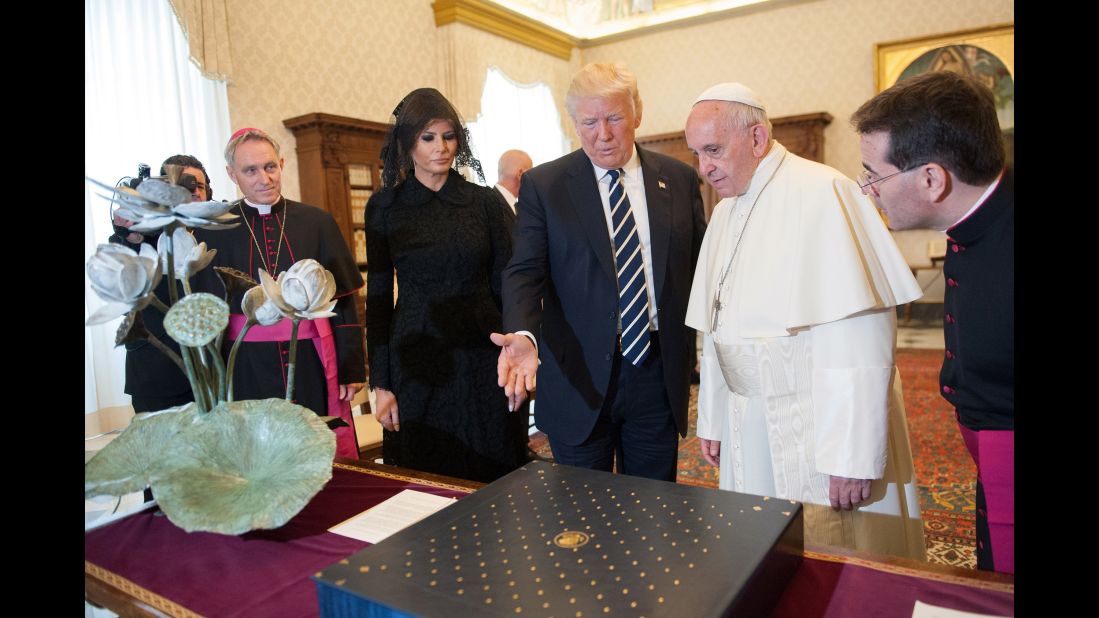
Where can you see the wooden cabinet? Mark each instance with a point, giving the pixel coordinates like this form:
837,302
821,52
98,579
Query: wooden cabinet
802,135
339,168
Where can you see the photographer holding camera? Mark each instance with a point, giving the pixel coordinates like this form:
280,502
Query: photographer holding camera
153,381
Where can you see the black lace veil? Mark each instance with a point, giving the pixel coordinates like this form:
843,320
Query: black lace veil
411,115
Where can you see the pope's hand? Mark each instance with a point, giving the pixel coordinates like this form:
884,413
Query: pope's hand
711,451
845,493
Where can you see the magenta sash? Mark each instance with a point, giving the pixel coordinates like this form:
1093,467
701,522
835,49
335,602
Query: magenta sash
320,332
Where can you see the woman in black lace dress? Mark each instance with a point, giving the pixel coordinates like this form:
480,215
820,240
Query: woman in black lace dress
447,240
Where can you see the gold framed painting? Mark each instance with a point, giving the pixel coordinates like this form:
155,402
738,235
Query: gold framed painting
941,52
985,53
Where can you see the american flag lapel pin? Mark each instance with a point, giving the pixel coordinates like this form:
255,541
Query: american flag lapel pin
660,183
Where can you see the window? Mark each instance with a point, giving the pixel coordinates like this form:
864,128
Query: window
143,101
513,115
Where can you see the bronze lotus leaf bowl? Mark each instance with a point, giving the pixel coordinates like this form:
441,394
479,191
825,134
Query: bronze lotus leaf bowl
129,462
246,465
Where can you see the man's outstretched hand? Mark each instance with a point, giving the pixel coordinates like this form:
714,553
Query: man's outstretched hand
516,368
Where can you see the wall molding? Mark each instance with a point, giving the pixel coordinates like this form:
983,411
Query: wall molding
502,22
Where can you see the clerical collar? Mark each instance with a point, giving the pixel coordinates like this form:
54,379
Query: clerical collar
980,201
263,209
632,167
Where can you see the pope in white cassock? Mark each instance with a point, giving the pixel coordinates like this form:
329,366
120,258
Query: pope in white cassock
795,294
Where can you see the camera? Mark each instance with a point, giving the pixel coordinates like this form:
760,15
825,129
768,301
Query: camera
187,181
143,171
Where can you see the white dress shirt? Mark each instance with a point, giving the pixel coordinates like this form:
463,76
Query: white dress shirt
634,183
508,197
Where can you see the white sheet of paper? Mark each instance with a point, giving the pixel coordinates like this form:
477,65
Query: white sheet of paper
391,516
926,610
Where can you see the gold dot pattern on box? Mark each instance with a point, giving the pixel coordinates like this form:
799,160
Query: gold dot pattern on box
576,560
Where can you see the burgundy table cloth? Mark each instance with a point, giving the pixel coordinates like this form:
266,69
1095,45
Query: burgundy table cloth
830,586
261,573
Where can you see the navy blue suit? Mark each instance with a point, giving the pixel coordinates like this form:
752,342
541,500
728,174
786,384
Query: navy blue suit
561,285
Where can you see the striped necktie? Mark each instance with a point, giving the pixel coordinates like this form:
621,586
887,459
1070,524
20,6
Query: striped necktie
633,297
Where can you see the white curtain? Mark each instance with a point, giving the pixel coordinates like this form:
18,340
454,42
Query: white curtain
515,115
143,102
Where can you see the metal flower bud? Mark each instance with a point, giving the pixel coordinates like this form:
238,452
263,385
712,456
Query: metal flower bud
305,290
257,307
123,278
190,256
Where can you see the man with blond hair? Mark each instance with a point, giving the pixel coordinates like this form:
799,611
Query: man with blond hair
597,287
274,234
795,294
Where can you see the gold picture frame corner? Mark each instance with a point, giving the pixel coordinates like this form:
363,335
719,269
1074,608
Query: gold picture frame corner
891,58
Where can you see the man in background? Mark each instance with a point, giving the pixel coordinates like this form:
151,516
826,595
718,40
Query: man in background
513,164
153,381
934,158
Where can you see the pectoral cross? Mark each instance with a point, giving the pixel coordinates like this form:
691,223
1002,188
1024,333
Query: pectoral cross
715,312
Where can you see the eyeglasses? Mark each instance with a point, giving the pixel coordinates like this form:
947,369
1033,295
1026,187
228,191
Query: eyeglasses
867,185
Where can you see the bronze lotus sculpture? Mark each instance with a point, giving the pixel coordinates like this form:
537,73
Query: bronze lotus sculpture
215,464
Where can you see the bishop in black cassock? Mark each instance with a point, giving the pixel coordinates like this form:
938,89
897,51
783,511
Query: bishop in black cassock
274,234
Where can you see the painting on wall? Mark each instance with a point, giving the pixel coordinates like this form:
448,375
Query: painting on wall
987,54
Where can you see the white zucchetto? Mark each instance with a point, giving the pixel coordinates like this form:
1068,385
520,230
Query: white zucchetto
731,91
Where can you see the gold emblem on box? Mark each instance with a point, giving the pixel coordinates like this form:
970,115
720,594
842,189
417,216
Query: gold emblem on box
570,539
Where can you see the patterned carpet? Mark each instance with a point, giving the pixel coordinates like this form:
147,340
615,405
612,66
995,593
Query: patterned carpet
944,471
